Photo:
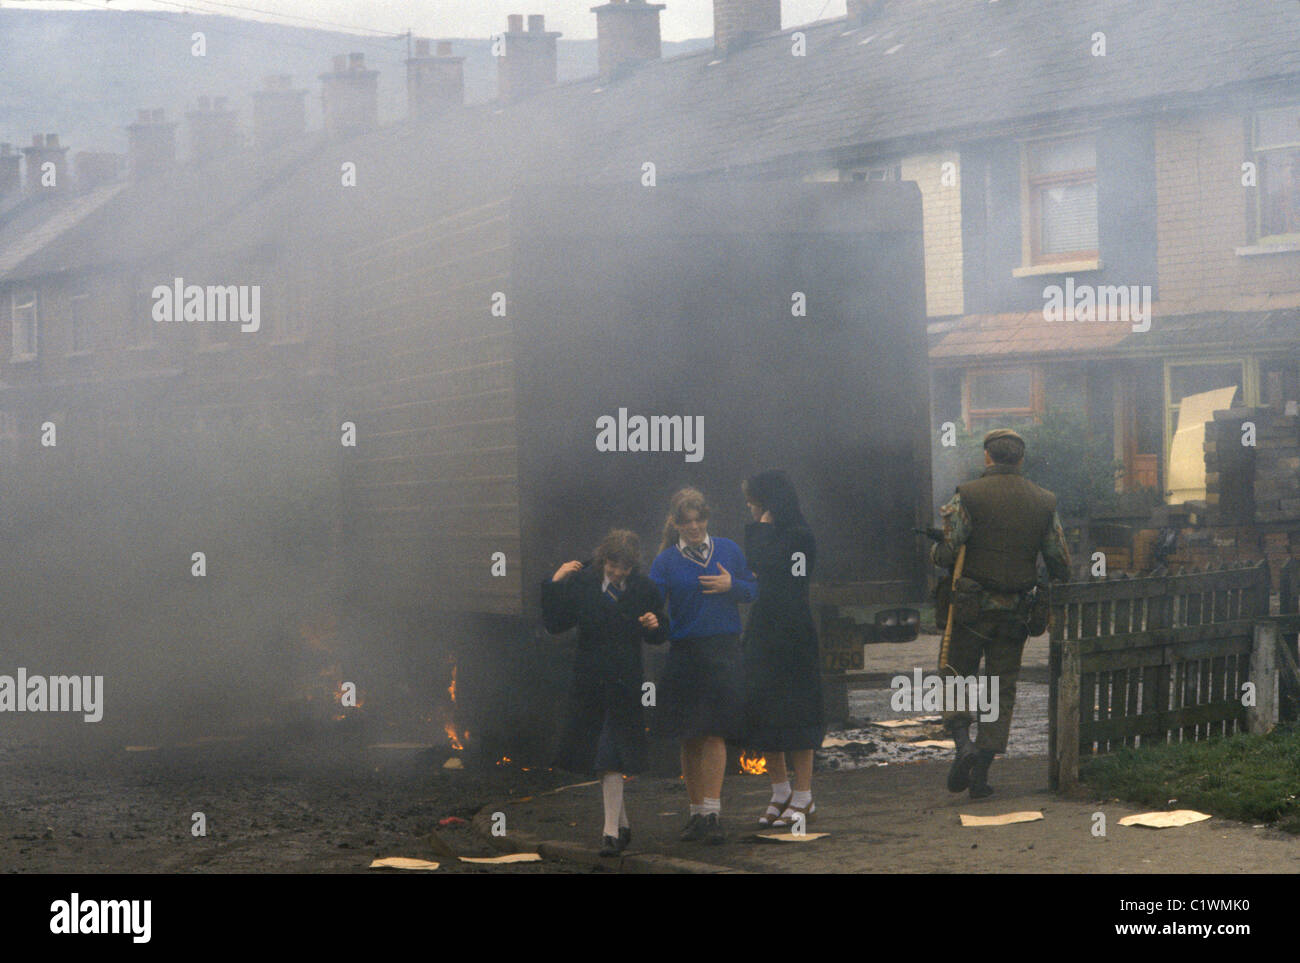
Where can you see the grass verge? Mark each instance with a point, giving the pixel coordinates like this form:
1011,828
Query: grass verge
1251,778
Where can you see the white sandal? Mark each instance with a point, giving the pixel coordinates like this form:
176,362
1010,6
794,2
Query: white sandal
791,812
774,812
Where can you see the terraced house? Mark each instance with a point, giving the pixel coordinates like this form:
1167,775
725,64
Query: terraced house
1136,176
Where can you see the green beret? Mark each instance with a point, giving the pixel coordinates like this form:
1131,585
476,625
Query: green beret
997,433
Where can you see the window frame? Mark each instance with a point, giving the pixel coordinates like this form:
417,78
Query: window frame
32,344
1249,367
1258,152
1031,187
970,413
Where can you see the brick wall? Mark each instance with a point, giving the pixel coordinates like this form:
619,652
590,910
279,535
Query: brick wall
941,218
1204,214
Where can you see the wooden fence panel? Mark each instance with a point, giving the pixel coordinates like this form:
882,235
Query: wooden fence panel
1148,660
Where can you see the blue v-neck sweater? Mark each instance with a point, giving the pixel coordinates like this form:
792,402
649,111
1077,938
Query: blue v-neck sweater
691,613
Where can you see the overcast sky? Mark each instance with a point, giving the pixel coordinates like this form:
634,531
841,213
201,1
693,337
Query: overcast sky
681,19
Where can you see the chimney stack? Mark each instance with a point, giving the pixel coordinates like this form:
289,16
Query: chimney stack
434,83
738,22
627,34
45,149
529,61
151,144
96,168
279,112
213,130
11,178
350,96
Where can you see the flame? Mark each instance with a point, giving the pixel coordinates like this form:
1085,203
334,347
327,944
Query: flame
503,761
753,765
451,689
451,734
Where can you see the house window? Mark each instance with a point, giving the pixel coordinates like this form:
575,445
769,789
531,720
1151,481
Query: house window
1277,147
1061,198
23,314
1183,379
79,322
1002,397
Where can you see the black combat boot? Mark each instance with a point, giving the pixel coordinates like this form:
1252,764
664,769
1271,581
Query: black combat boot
959,774
979,775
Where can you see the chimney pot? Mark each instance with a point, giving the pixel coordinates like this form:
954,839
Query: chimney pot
350,96
738,22
204,104
627,34
151,144
529,61
45,149
515,23
279,112
434,84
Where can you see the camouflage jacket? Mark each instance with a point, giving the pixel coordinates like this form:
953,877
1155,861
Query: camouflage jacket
956,529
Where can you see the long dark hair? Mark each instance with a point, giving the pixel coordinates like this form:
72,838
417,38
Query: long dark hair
772,489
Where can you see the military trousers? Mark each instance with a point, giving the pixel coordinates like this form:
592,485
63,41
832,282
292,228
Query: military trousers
999,639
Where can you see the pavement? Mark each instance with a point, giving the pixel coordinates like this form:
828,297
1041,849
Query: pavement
891,818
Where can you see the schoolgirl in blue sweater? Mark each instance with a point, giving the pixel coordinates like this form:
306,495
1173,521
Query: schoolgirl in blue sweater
704,579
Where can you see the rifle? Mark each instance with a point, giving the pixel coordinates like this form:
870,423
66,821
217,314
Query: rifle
952,608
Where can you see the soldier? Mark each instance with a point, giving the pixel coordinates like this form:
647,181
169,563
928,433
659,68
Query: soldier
1005,521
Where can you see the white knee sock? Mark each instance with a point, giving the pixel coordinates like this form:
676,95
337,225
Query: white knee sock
711,806
801,799
780,791
611,787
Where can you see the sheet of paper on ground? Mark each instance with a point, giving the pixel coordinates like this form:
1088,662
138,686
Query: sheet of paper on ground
402,862
1179,817
1006,819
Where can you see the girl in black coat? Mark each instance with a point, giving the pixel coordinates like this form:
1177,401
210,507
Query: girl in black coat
615,608
783,693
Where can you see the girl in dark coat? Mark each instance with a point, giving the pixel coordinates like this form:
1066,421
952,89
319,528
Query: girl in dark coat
783,693
614,608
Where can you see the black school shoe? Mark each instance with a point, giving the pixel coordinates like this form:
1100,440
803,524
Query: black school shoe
609,846
713,829
624,837
694,831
